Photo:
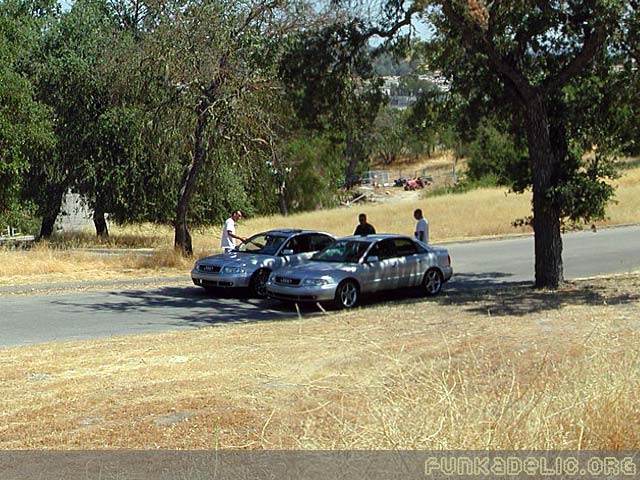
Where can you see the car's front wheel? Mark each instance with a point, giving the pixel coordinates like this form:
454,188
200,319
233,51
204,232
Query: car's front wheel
433,281
258,283
347,294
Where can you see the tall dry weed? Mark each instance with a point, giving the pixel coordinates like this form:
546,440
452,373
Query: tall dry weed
492,400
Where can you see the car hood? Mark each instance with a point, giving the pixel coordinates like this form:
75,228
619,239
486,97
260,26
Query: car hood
237,259
316,269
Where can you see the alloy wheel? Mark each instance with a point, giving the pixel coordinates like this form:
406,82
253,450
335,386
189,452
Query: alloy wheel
259,283
348,295
433,282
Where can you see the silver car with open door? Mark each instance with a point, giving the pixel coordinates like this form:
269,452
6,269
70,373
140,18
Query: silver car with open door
358,265
251,263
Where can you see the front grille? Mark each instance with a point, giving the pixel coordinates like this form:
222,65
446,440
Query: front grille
286,296
212,283
209,268
287,281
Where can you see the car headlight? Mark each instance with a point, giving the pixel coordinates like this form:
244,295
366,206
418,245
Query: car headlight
316,282
233,270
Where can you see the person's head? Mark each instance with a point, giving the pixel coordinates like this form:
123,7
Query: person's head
417,214
362,218
236,215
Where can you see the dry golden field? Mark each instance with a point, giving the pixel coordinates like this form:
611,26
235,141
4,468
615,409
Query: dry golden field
505,369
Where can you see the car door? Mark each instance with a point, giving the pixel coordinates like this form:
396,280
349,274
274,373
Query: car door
409,269
318,241
381,273
301,248
294,250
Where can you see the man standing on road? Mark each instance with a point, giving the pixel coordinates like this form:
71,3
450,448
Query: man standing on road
229,236
422,227
363,227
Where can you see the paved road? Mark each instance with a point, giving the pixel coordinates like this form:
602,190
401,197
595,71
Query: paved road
28,319
585,254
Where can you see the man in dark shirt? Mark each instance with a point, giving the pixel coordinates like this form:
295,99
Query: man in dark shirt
363,227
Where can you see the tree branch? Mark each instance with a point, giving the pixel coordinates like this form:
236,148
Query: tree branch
476,37
592,44
390,32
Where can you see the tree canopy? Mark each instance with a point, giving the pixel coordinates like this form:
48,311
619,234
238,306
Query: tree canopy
533,65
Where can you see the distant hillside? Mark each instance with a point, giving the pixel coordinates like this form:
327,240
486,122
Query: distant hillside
386,65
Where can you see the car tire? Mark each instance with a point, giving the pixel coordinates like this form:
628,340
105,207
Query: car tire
347,294
258,283
433,281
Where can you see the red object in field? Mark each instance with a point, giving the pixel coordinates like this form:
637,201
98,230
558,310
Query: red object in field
411,184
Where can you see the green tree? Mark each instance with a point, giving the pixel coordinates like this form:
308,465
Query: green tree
391,136
25,124
330,78
526,55
67,78
315,165
209,58
534,54
497,154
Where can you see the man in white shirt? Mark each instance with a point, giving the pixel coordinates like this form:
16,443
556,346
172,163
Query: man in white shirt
422,227
228,241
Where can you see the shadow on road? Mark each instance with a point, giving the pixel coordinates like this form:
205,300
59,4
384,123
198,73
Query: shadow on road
182,306
483,293
493,293
520,298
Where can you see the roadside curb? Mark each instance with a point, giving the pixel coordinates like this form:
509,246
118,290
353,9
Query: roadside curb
90,284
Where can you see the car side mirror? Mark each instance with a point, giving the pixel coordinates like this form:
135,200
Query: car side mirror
373,258
287,251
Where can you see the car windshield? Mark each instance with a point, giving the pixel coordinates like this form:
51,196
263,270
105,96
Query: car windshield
343,251
263,244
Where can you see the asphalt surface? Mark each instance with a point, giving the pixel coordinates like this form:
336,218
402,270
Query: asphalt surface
127,310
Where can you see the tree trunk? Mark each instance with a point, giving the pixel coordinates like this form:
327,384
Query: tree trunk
282,200
102,230
545,165
51,212
281,178
352,157
182,239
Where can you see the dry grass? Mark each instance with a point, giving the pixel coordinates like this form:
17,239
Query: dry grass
450,217
43,265
515,369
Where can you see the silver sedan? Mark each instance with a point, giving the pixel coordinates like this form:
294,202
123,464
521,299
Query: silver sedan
357,265
251,263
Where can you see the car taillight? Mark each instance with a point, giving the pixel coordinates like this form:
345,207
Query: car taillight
449,260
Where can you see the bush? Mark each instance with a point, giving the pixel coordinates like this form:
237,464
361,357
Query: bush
315,167
465,185
495,153
22,220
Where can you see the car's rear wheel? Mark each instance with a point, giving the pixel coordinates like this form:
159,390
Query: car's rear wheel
347,294
433,281
258,283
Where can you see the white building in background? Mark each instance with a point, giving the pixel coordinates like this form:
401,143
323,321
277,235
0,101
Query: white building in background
75,215
404,99
390,85
437,79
